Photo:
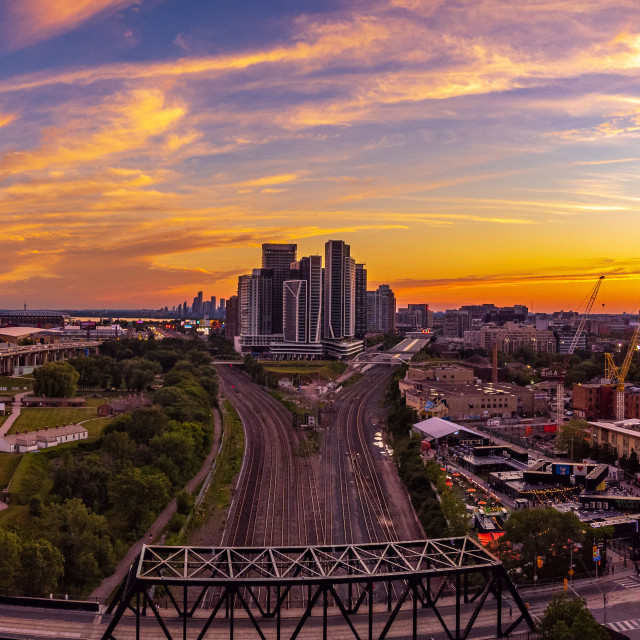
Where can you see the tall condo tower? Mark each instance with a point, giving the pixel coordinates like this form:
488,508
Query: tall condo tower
254,302
278,258
339,291
303,301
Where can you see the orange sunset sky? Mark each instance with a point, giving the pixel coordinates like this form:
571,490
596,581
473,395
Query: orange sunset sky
469,151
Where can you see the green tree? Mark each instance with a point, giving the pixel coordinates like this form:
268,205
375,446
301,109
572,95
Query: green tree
119,446
56,380
179,448
633,465
184,503
542,532
137,494
185,402
41,566
82,538
140,424
139,373
10,569
566,619
574,437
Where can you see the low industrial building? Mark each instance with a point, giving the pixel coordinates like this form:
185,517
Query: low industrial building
119,406
32,441
437,431
464,401
623,436
39,319
14,335
43,401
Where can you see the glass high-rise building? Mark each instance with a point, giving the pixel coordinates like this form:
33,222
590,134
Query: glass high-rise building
278,258
339,291
303,301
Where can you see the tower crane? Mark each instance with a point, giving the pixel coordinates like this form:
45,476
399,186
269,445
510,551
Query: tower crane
572,348
618,375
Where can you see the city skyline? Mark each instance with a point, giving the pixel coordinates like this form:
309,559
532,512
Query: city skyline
468,152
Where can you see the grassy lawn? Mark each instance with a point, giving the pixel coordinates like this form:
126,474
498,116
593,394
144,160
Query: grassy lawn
36,418
23,384
6,381
8,464
31,478
105,396
95,426
307,371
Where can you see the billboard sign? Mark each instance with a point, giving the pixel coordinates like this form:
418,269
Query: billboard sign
563,469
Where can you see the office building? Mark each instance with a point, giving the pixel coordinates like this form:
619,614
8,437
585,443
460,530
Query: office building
510,338
456,323
232,320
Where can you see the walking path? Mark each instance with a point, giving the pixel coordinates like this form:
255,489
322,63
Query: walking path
108,585
17,405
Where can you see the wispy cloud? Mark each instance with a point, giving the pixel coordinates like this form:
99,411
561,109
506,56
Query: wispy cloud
29,21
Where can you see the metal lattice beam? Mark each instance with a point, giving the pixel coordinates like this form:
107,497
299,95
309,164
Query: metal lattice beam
414,578
294,565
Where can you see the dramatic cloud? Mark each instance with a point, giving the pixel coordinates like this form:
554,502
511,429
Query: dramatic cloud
447,142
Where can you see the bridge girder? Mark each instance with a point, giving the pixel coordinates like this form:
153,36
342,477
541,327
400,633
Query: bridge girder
202,582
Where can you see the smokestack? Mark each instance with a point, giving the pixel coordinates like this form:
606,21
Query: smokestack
494,368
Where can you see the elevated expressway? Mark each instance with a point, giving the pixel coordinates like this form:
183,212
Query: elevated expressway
39,354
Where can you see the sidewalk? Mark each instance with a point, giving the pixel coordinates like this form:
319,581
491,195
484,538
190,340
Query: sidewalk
17,406
108,585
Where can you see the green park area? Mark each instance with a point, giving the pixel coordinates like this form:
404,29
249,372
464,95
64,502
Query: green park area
39,418
305,372
109,489
10,386
34,418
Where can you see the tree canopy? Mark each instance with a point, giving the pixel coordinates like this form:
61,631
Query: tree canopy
566,619
56,380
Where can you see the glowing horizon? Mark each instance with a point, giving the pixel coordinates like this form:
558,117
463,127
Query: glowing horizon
468,152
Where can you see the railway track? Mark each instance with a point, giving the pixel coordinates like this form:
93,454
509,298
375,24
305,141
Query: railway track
277,501
283,498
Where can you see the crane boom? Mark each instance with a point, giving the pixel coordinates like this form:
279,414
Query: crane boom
572,348
618,376
583,321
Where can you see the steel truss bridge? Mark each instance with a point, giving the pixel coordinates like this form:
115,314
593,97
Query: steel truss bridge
367,588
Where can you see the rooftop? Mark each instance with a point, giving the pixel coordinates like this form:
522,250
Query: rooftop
438,428
16,332
48,433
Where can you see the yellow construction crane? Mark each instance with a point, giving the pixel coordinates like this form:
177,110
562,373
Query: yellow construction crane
617,375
